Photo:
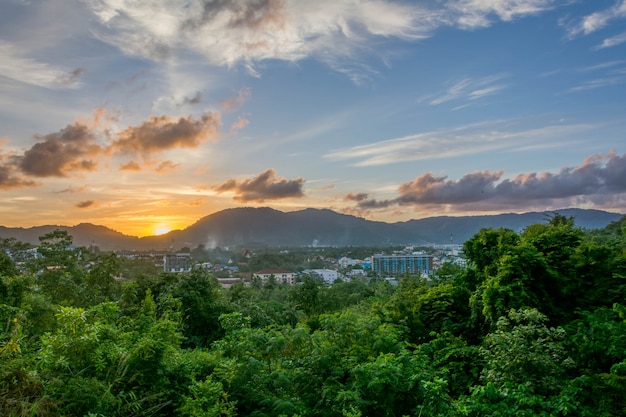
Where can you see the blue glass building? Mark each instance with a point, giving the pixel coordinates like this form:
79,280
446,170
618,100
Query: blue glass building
413,264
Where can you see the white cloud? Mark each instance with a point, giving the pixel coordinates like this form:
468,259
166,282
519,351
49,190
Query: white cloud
599,83
253,31
464,140
16,66
469,89
471,14
612,41
598,20
340,33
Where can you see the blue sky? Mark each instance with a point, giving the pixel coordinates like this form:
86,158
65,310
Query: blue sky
145,116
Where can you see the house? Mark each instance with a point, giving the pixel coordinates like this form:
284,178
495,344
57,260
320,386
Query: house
280,275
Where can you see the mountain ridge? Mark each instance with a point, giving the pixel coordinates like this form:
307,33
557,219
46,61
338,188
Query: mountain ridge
264,226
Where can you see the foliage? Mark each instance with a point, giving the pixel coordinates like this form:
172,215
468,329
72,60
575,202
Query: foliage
534,326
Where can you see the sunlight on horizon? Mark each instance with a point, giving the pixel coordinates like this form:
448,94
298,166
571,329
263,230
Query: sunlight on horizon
161,229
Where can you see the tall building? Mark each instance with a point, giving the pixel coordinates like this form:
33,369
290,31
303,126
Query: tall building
400,264
179,262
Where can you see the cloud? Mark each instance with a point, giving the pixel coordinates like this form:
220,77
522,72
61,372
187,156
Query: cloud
130,166
355,197
265,186
599,83
165,167
612,41
463,140
335,32
471,14
77,147
599,177
340,33
9,180
161,133
232,104
85,204
18,67
57,154
196,99
470,89
71,189
598,20
427,189
239,124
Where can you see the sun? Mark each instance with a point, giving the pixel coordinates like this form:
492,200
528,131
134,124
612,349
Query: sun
161,229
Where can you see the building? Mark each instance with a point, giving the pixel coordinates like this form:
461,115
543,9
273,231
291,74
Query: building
178,262
280,275
329,276
397,264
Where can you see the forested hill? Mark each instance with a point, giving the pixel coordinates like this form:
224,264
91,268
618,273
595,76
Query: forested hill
533,325
310,227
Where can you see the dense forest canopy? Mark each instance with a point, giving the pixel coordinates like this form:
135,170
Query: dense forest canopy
534,325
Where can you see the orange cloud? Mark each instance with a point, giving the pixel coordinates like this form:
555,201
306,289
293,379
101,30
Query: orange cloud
265,186
239,124
57,154
8,179
161,133
166,166
234,103
130,166
85,204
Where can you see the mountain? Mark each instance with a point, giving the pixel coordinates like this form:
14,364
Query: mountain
263,227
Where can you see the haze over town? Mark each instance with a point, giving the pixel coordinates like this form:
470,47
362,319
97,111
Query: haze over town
145,117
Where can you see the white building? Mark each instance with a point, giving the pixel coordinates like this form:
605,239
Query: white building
280,275
327,275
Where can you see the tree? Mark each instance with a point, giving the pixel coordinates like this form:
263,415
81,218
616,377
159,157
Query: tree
101,279
523,350
305,297
57,270
485,248
525,370
201,302
521,278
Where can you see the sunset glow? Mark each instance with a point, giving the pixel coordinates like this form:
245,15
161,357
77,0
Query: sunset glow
161,229
390,110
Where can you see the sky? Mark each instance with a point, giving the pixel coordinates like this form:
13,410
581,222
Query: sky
145,116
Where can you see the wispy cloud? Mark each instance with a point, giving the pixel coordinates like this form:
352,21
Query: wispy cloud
15,65
254,31
609,75
612,41
600,66
464,140
597,20
471,14
337,32
599,83
468,89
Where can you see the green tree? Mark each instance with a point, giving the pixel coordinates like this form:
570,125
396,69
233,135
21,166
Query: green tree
525,370
101,283
58,271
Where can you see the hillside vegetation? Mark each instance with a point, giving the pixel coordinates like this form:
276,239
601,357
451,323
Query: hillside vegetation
534,326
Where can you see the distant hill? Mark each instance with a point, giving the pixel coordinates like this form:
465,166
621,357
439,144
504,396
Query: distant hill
310,227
